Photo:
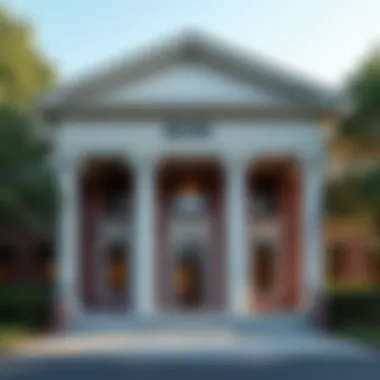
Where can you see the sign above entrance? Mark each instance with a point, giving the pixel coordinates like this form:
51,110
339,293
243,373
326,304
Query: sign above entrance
187,130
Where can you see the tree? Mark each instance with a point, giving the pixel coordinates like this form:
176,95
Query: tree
344,197
27,194
24,71
27,191
361,126
362,122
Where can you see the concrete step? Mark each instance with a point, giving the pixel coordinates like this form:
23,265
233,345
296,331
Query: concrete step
283,323
202,345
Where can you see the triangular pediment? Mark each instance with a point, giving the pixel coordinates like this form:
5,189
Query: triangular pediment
190,70
187,83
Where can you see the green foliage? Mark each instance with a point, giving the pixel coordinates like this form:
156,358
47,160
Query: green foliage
25,305
375,251
27,194
362,333
11,335
344,197
24,71
355,194
371,190
363,90
347,307
362,127
27,191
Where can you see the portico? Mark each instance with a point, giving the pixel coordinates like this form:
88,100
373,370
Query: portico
187,189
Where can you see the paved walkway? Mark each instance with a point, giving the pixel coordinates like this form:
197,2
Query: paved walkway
192,355
195,344
103,368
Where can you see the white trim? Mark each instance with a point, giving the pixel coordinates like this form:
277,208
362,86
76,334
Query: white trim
145,235
143,139
235,214
68,285
209,51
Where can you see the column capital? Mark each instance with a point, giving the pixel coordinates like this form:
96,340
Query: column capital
140,161
235,161
66,162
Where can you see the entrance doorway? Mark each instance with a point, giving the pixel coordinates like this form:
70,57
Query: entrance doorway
190,262
189,280
107,213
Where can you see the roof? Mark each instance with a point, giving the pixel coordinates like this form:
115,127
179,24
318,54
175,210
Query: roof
193,46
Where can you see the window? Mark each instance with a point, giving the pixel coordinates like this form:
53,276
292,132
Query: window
263,270
374,260
336,262
264,200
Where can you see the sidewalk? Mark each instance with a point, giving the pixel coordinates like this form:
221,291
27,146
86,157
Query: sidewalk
200,345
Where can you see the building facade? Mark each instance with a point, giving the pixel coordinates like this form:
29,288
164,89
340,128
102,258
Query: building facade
191,178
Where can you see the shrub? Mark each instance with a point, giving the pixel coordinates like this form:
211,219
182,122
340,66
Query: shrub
349,307
29,306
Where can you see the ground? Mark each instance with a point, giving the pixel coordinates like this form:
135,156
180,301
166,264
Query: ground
192,355
100,368
11,336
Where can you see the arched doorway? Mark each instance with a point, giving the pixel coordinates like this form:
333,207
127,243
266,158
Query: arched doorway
274,253
190,261
189,275
107,216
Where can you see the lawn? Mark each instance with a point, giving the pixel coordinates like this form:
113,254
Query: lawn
10,336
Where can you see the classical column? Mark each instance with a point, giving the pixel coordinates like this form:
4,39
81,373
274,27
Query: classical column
312,248
68,262
145,235
236,234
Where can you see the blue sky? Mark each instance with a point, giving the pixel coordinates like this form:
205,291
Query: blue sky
321,38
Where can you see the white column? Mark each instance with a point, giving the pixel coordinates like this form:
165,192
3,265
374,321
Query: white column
145,236
68,239
236,235
313,255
